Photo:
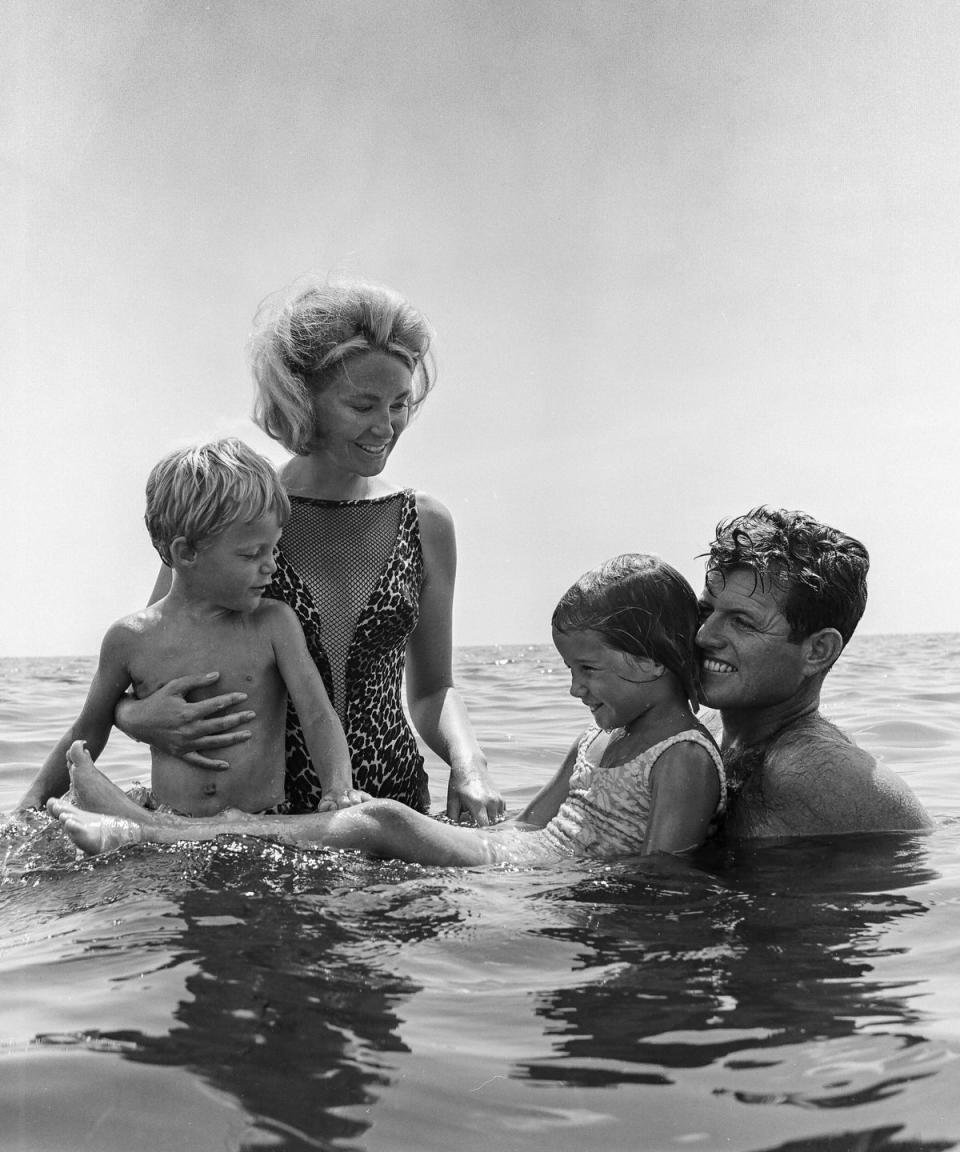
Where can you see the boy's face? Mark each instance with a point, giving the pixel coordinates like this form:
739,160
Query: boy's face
234,569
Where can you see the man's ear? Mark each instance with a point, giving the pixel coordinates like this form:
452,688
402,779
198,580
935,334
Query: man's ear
182,552
821,650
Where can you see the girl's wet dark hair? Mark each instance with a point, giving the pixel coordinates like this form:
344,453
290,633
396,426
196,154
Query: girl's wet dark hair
642,606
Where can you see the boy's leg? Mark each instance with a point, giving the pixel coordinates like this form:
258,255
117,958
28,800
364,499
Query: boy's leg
97,793
382,828
96,832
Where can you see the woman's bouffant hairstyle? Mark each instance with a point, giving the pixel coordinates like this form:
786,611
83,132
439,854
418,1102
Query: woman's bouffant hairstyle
642,606
301,338
198,492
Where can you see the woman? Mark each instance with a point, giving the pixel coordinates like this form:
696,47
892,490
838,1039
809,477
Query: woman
369,569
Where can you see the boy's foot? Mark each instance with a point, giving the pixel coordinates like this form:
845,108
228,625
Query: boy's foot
95,792
95,833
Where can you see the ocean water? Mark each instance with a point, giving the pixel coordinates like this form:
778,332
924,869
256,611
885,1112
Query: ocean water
241,995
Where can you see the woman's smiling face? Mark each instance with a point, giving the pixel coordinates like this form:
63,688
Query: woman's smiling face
361,412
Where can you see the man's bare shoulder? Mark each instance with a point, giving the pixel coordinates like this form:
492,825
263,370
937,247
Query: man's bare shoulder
813,745
817,780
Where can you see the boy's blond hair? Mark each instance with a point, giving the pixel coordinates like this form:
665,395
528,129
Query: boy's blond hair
198,492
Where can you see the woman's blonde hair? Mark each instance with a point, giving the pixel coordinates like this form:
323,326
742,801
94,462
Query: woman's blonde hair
302,338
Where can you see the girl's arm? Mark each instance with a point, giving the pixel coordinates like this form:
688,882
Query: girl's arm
546,804
322,730
93,725
435,705
168,721
685,792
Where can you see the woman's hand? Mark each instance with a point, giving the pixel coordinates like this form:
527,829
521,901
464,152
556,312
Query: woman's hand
167,720
470,794
349,799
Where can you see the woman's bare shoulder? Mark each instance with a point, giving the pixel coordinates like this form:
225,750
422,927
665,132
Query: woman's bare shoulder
432,511
437,534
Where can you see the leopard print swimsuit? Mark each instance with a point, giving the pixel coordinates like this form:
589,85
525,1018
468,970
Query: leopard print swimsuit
352,572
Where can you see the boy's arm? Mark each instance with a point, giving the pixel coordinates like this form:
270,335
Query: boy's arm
685,790
93,725
322,730
546,804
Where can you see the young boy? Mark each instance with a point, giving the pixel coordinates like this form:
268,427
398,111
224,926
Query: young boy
214,514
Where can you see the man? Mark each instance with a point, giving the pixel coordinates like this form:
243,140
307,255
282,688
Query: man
783,596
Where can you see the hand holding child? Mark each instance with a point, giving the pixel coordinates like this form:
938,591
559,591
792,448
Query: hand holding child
348,799
183,728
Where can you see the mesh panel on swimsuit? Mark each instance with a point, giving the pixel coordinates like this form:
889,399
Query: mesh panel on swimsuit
339,550
352,571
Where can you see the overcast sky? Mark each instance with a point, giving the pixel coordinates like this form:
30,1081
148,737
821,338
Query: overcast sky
683,257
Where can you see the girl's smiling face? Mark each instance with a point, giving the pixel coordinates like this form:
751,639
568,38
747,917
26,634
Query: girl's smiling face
611,683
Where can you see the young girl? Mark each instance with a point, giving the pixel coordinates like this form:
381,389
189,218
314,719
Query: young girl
644,777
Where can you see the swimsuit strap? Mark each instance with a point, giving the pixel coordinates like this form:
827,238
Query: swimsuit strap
694,736
651,755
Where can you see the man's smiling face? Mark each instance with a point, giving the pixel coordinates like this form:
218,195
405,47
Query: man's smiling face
747,658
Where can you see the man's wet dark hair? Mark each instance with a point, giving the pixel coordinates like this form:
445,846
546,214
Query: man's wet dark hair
641,606
820,572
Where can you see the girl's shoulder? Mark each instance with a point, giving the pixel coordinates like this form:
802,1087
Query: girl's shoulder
690,744
692,759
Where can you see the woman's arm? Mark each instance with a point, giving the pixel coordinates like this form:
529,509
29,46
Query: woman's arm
93,725
435,704
685,792
168,721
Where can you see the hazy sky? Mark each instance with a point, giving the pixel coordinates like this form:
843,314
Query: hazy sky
683,257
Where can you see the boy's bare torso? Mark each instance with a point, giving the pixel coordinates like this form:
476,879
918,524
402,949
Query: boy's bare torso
165,643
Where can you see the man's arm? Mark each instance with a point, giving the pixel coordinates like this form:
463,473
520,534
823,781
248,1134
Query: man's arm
546,804
93,725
